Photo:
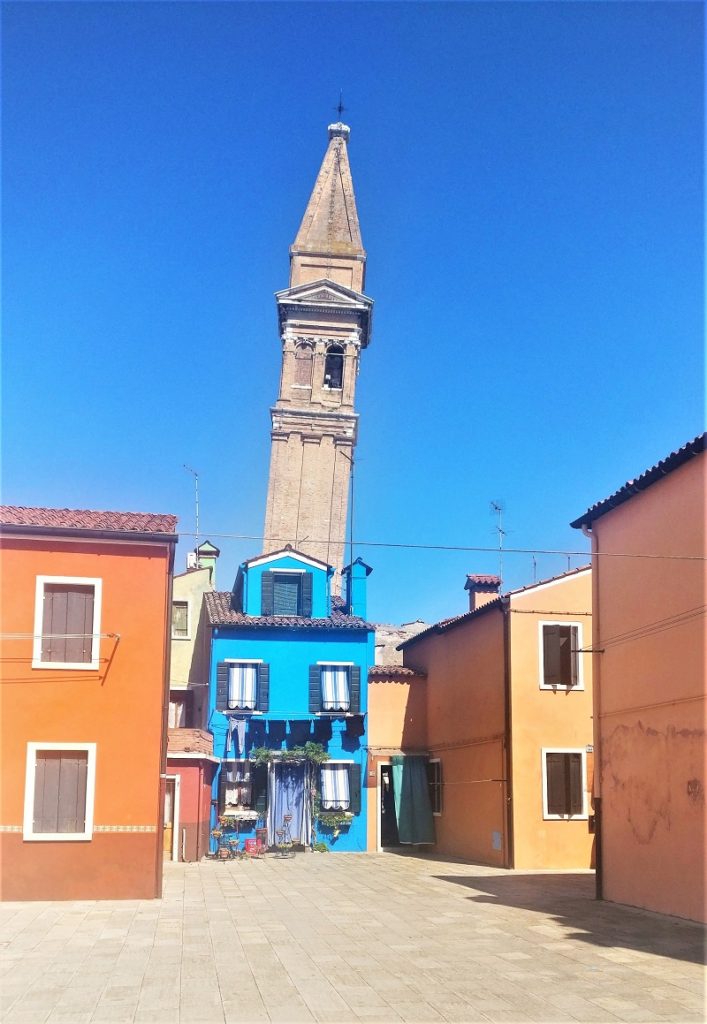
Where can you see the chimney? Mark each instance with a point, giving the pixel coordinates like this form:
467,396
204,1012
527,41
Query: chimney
482,589
206,555
355,589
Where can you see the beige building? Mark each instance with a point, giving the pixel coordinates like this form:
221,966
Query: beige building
508,731
648,549
325,323
189,656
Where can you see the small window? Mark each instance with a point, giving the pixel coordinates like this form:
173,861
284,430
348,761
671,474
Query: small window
59,790
334,688
335,792
334,368
67,622
434,783
180,620
286,593
242,787
560,662
242,686
564,783
178,717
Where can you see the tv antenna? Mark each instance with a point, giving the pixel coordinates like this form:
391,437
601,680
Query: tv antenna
497,510
196,501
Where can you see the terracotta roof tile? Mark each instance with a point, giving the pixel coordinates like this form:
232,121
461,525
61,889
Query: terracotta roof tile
220,612
393,672
85,519
477,579
651,476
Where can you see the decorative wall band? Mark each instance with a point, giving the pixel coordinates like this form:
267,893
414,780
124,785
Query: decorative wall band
124,828
96,828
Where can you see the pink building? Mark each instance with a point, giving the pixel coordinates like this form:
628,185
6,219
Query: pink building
648,545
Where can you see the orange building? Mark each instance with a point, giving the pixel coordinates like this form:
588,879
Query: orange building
396,726
648,549
84,696
508,723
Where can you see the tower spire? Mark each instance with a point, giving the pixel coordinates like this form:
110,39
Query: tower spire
328,243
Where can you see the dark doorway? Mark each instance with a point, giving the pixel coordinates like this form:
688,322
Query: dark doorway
389,824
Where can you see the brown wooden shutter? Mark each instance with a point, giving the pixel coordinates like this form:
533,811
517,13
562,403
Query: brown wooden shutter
60,791
551,656
574,656
576,793
67,610
222,686
355,689
315,689
355,788
267,593
556,790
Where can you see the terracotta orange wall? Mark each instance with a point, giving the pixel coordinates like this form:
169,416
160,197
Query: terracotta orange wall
194,805
465,729
118,707
547,718
651,696
396,721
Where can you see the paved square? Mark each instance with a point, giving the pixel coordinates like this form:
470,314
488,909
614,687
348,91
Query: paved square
347,937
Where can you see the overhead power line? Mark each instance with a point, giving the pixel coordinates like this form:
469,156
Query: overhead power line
465,547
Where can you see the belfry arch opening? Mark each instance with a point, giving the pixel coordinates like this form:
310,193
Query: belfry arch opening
334,367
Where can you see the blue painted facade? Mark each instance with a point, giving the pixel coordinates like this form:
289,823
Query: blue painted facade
247,628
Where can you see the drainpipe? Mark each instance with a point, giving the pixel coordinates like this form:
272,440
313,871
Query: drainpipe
159,859
507,734
591,534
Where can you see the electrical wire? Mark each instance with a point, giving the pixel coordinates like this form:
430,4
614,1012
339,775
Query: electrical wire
463,547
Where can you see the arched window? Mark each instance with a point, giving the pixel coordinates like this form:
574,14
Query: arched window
334,367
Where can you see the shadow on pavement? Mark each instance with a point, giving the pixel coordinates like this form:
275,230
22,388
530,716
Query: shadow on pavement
569,899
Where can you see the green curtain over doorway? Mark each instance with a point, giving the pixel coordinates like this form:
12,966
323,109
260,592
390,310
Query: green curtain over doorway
412,799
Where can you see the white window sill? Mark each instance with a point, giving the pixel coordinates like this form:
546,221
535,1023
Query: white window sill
562,687
56,837
80,666
565,817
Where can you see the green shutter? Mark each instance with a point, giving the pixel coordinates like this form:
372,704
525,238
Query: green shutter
263,699
221,686
259,783
355,689
355,788
315,689
267,593
306,596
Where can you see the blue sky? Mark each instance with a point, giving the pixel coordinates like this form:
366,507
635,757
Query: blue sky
529,184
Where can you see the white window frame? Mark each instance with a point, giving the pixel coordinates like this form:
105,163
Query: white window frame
438,760
579,685
543,771
28,833
74,581
187,602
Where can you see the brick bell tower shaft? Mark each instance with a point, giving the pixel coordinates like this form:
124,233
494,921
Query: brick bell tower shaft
325,322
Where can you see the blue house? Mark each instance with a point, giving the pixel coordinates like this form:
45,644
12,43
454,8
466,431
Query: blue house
288,672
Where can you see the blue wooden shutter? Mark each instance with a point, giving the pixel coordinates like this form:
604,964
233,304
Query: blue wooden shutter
263,701
267,591
315,689
259,790
222,686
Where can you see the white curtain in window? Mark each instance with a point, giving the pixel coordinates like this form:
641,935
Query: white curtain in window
335,688
242,686
335,787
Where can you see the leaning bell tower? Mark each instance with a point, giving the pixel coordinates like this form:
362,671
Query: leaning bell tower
325,323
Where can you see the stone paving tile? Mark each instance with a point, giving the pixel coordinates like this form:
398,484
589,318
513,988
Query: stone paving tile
349,938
